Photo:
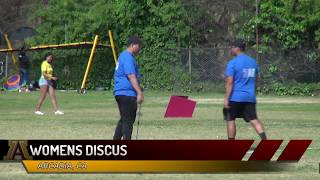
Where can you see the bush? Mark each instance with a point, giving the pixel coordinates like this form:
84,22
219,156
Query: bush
291,88
161,24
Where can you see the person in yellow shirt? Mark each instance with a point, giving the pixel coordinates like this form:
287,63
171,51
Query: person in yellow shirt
47,86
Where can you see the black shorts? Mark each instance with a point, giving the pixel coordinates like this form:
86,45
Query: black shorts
245,110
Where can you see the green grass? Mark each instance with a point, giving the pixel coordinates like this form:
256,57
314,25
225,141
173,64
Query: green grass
94,116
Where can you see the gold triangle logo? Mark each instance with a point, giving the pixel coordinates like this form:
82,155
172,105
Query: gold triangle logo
17,150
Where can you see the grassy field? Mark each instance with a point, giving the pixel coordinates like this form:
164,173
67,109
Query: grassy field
94,116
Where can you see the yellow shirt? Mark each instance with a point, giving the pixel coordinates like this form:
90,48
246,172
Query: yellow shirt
46,68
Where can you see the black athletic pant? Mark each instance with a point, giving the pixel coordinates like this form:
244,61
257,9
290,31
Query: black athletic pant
128,108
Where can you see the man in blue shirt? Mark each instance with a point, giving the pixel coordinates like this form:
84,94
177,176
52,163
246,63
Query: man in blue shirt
240,96
127,90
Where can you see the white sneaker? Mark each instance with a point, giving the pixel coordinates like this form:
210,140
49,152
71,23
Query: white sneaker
59,112
39,113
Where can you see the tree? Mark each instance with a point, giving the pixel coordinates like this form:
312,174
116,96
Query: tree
161,24
216,22
289,38
287,24
13,16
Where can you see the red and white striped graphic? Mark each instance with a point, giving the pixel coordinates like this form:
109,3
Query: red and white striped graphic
292,152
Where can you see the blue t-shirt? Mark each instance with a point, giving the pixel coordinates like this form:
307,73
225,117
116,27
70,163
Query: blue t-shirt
244,71
126,65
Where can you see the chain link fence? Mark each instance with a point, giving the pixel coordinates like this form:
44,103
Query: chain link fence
7,67
205,67
3,65
69,66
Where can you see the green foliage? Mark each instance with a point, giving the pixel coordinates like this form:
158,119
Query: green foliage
161,24
2,81
286,23
165,26
289,41
291,88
